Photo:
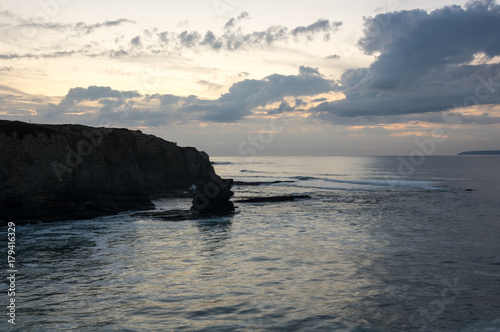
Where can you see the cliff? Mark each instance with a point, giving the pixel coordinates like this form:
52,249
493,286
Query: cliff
58,172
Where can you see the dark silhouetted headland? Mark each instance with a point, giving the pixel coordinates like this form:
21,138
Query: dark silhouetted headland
479,153
60,172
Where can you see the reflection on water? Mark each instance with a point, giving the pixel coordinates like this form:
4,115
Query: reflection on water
214,233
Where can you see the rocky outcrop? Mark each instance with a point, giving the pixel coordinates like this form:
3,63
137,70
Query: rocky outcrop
58,172
209,199
212,198
273,199
480,153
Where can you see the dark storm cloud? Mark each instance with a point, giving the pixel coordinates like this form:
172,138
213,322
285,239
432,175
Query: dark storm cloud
423,62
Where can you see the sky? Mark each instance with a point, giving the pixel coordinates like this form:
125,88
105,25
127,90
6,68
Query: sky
246,78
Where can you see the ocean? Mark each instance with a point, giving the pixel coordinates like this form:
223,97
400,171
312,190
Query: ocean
383,244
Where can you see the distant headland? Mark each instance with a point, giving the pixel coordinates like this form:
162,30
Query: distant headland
480,153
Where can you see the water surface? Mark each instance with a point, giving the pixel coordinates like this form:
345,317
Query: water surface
372,250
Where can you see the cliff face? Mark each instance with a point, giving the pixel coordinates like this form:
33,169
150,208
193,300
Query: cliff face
57,172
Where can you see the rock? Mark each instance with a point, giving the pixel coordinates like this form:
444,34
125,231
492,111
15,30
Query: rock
210,198
258,183
58,172
170,215
273,199
213,198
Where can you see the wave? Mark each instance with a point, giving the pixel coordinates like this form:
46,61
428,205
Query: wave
368,184
222,163
257,172
305,178
340,184
388,183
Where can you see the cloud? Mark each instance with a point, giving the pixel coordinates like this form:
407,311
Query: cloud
319,100
91,93
333,57
246,95
116,53
10,56
212,41
232,21
424,63
7,89
299,102
210,85
236,40
136,41
149,41
321,25
189,39
78,27
110,104
482,119
92,27
163,37
308,71
242,99
48,55
284,107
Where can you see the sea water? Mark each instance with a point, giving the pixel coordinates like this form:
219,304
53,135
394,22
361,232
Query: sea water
383,244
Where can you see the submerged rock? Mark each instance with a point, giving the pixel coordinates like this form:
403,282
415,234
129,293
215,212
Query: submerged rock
258,183
58,172
169,215
271,199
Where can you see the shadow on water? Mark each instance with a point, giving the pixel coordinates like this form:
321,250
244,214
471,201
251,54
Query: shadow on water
214,232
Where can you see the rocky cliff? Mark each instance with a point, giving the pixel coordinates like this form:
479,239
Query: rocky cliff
57,172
